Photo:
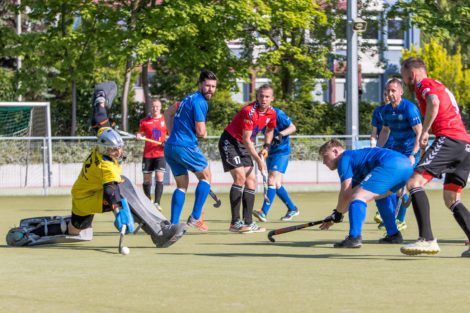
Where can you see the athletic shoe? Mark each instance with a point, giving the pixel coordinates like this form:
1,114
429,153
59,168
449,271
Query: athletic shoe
159,208
199,224
290,214
378,218
239,227
349,242
260,215
421,246
397,238
254,228
401,225
466,254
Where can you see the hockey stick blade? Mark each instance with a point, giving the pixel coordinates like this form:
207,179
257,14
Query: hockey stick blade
294,228
216,199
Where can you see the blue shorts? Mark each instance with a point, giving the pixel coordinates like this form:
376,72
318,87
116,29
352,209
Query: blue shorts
183,159
277,163
392,176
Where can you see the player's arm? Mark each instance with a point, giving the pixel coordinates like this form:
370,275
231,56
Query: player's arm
201,131
344,198
169,115
383,137
141,133
285,132
373,137
252,150
432,108
418,128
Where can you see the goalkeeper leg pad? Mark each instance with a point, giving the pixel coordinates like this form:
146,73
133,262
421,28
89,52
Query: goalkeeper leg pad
152,221
45,230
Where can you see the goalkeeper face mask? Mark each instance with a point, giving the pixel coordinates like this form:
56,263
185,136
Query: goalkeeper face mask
110,144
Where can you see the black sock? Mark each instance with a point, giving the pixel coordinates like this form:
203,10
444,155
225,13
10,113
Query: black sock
52,230
146,187
462,216
248,203
235,200
422,212
158,191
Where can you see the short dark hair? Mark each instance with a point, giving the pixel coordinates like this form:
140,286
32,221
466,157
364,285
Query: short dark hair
206,75
264,86
413,62
332,143
396,81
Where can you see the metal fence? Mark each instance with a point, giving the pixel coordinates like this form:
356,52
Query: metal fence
24,160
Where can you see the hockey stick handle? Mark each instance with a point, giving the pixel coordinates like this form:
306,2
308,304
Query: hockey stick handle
294,228
143,138
121,237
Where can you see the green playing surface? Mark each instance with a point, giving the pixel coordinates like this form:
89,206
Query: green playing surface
220,271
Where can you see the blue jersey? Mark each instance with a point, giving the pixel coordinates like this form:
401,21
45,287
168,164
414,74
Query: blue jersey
357,164
282,122
378,121
401,120
191,109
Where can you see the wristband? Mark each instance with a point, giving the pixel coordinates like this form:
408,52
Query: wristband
413,154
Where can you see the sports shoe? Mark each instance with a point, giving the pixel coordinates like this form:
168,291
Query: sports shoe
159,208
421,246
290,214
349,242
378,218
400,225
260,215
170,234
254,228
239,227
396,238
466,254
199,224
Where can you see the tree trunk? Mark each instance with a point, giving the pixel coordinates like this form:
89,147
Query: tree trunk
74,108
125,93
145,86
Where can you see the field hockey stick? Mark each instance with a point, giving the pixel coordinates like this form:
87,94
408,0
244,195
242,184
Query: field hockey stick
134,136
121,237
265,184
408,202
400,201
216,199
294,228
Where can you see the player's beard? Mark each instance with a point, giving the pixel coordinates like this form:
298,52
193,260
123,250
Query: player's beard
207,95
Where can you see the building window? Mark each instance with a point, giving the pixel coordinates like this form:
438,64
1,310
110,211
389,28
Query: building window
394,30
371,89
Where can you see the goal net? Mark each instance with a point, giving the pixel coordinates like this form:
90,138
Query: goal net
25,142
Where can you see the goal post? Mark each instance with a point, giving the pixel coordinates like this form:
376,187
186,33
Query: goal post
28,121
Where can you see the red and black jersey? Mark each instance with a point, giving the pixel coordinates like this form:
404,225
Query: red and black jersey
250,118
448,121
155,129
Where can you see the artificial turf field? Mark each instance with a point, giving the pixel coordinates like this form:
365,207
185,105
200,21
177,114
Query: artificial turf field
219,271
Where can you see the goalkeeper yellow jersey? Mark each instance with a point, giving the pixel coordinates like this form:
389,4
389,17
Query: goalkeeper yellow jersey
87,191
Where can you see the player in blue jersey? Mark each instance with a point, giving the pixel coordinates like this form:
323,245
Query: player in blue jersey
365,175
186,122
402,121
276,163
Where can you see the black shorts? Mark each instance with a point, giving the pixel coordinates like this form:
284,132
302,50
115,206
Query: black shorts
447,156
150,165
82,222
233,153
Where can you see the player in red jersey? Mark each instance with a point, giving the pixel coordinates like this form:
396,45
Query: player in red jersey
237,150
449,154
153,127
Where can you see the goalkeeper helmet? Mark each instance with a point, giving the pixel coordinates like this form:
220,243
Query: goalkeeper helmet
109,141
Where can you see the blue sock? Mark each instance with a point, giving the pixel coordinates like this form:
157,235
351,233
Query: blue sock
177,202
402,212
282,194
357,216
387,212
202,191
271,195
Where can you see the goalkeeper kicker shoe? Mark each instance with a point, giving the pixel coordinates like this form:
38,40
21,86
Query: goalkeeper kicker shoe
260,215
17,237
169,235
396,238
349,242
290,214
421,246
